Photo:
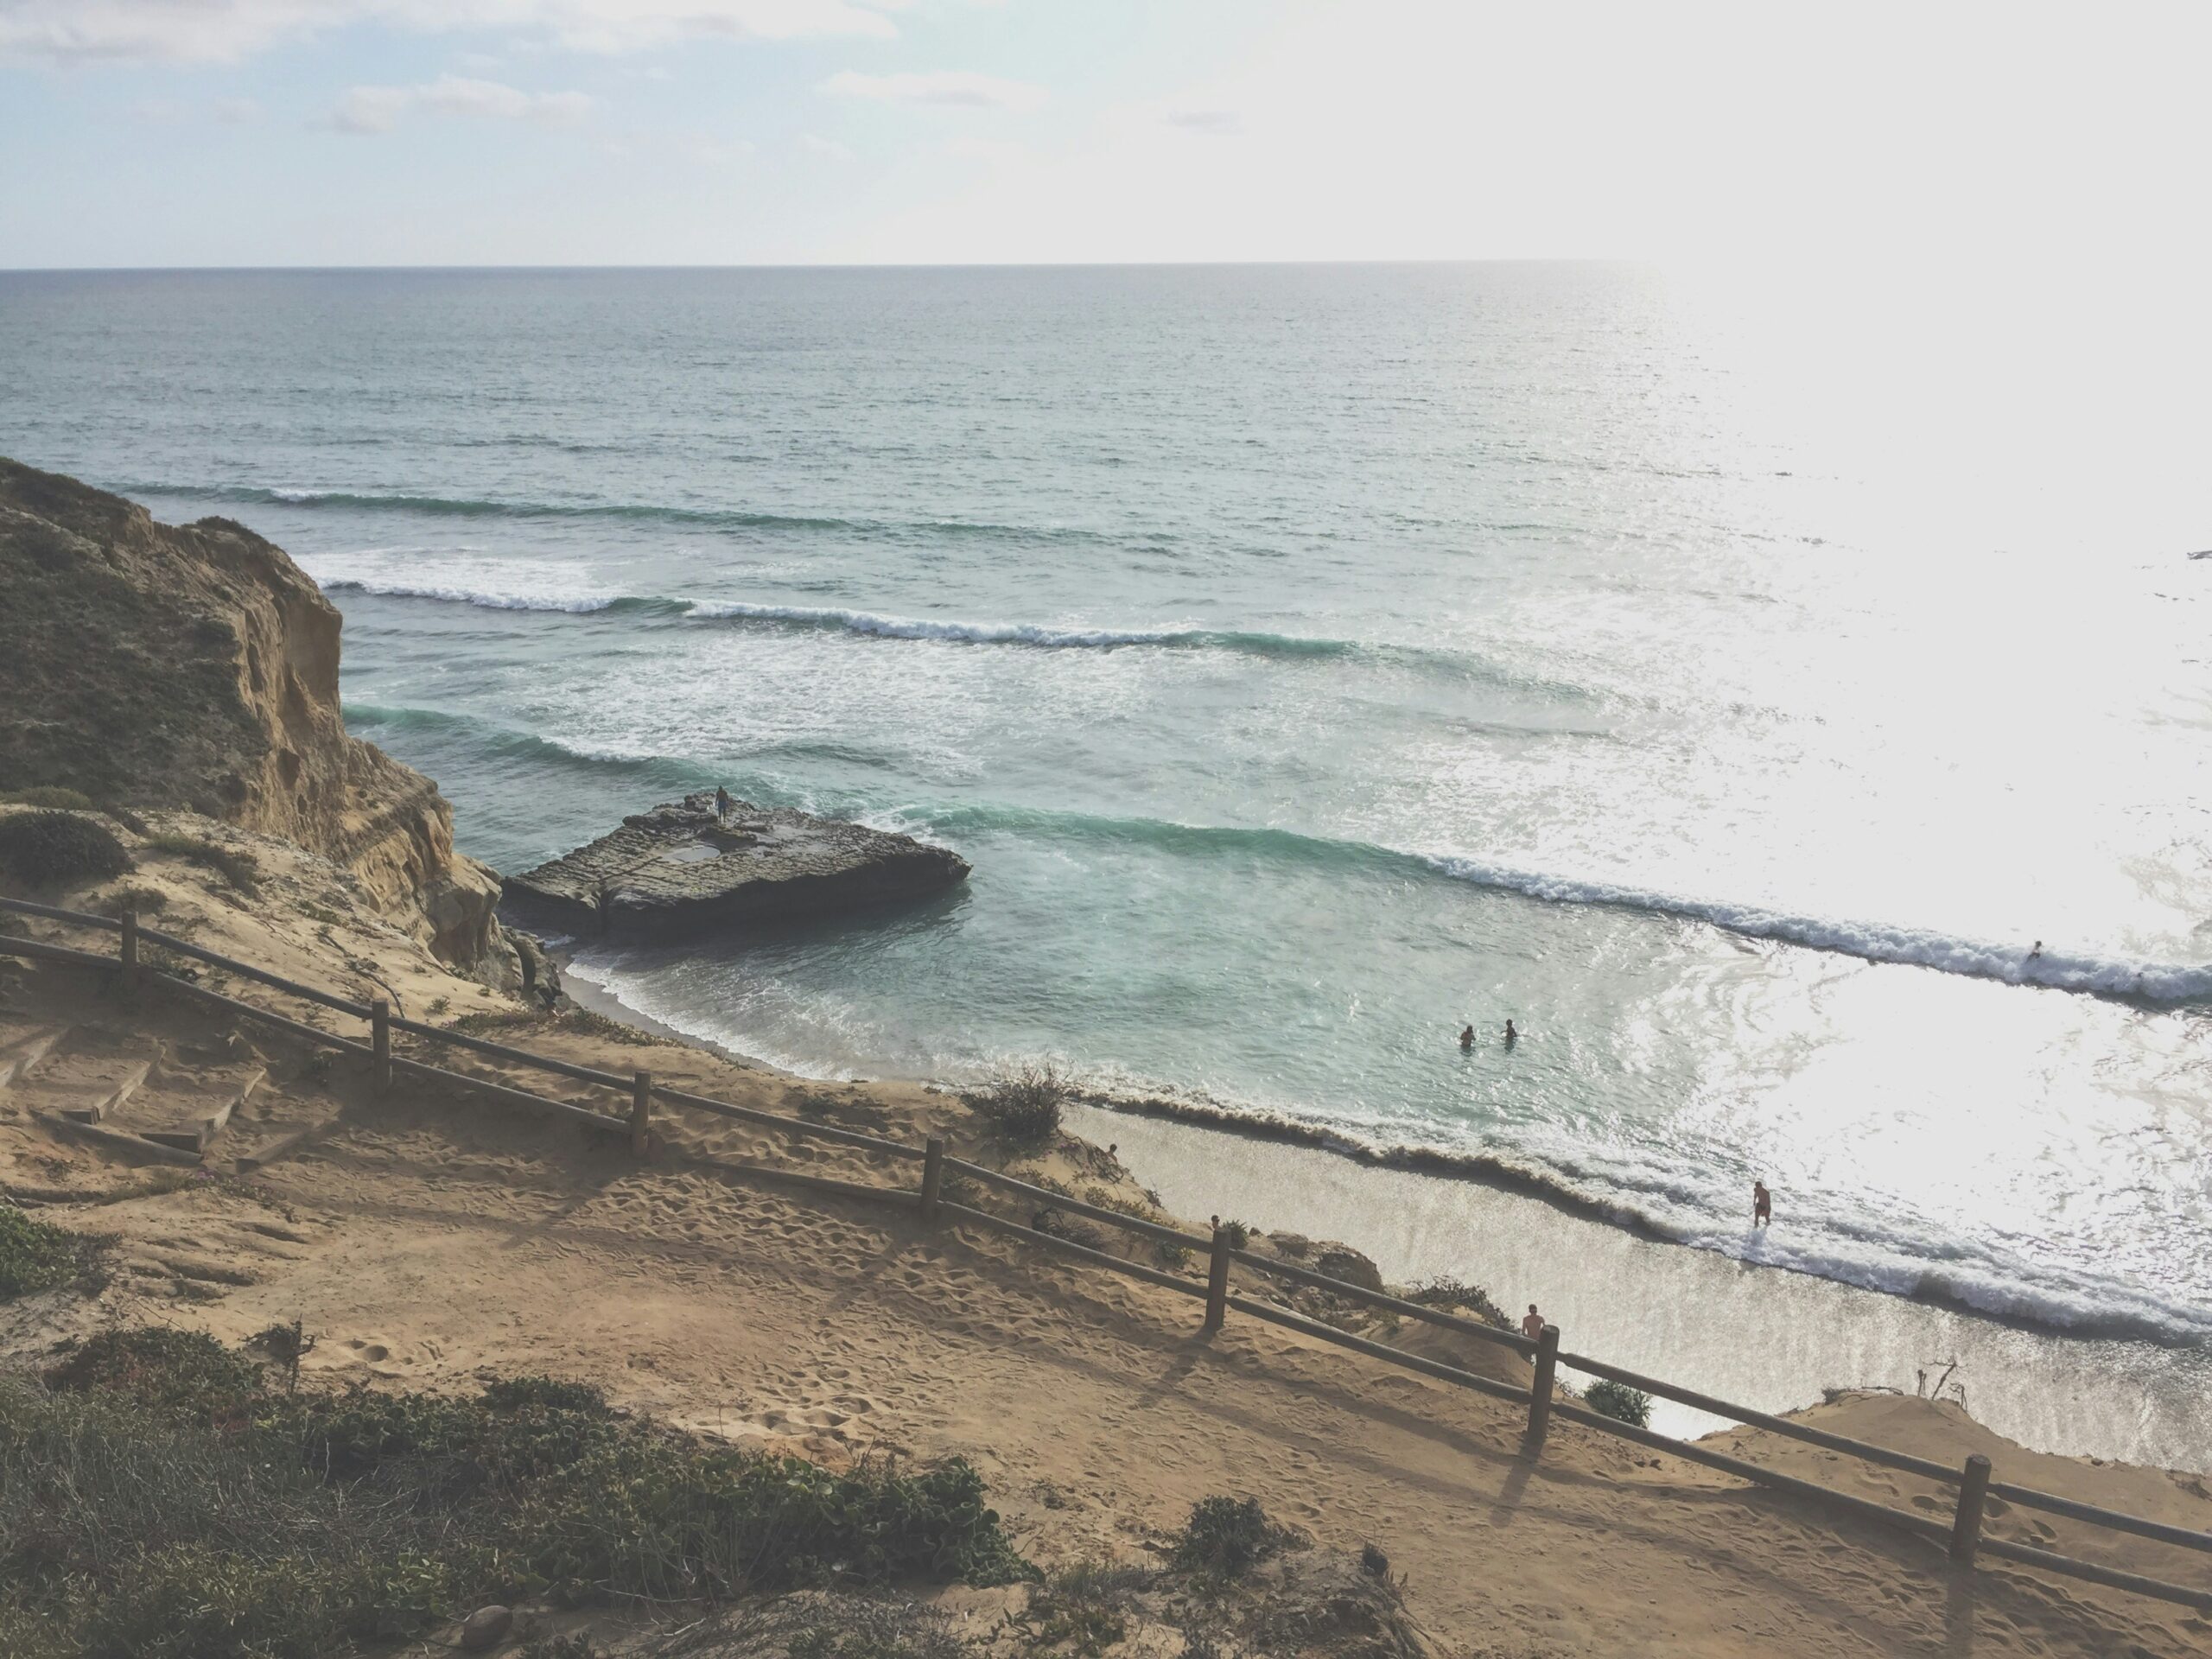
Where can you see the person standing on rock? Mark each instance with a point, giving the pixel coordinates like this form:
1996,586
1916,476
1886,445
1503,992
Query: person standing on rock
722,802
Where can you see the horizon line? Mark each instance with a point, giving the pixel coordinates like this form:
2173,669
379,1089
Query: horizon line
833,265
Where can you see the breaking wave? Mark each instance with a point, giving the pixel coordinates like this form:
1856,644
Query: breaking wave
1870,941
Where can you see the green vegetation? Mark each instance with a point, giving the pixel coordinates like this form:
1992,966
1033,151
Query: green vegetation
59,849
1022,1104
1083,1612
511,1025
1227,1537
160,1500
1452,1296
68,800
1618,1402
235,865
146,901
35,1256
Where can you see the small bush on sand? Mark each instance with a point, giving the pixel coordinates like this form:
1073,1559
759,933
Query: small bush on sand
1453,1296
235,865
1227,1537
1618,1402
67,800
146,901
59,849
34,1256
1022,1104
1081,1612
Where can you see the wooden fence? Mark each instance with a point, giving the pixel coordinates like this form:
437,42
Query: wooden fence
1961,1535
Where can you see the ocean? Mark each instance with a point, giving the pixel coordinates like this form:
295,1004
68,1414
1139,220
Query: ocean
1792,717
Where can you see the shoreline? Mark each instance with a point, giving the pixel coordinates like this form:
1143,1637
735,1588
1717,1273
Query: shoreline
1771,1336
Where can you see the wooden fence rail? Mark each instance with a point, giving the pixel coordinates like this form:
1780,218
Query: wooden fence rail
639,1091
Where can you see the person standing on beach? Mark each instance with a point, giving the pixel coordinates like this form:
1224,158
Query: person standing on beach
1762,1205
1533,1327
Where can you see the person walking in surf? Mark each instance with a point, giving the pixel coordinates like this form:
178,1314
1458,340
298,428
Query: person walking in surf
1762,1205
1466,1037
1511,1035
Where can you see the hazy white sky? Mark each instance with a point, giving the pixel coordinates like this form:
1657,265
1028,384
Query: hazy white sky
150,132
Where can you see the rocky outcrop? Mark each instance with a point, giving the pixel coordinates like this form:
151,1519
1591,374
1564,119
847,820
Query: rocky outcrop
686,868
196,666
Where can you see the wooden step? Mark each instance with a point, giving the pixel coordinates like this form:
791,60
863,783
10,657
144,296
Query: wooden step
83,1087
22,1047
188,1110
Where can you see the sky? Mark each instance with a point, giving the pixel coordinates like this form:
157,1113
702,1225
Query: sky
617,132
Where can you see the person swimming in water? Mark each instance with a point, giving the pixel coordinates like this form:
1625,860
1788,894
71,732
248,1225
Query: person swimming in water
2037,952
1466,1037
1511,1035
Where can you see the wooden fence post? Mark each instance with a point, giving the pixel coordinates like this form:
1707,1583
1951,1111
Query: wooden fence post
1217,1282
127,955
1539,1386
1966,1529
380,1045
641,1114
932,1176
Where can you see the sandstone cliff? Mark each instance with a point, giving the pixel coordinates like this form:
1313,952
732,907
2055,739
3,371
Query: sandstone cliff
196,666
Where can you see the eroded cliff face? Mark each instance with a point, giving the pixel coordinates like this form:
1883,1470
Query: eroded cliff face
196,666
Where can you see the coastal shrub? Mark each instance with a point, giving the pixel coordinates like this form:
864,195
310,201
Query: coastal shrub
1227,1537
59,849
235,865
36,1257
1450,1295
1239,1235
1083,1612
1619,1402
163,1498
68,800
1022,1104
146,901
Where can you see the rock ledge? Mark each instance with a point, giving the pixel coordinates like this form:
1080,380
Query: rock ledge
684,868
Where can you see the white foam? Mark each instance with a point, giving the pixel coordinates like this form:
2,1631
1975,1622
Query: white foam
894,628
1871,941
435,574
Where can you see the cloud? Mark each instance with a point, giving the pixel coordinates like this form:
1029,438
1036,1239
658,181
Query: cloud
815,144
378,109
954,87
221,31
706,150
237,111
1220,124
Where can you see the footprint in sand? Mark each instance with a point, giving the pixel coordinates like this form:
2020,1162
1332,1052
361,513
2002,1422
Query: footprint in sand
374,1352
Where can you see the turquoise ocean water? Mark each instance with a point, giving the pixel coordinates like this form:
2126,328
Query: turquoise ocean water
1311,660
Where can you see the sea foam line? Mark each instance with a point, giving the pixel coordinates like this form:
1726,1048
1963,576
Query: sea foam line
1869,941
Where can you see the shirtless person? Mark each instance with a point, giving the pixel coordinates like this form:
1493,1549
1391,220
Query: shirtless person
1533,1327
1466,1037
1762,1205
